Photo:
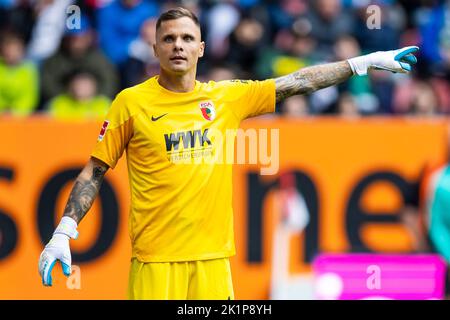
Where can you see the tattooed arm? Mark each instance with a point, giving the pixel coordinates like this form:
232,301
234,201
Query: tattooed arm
80,201
313,78
85,189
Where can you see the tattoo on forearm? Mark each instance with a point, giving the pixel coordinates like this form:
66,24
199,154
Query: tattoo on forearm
83,194
313,78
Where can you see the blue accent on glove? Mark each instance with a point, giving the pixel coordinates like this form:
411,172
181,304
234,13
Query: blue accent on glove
66,269
49,274
406,58
49,280
409,59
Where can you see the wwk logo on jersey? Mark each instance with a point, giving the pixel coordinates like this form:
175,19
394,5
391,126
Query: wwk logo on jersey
208,110
189,139
103,130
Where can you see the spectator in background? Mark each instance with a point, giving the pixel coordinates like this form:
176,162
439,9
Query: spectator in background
359,89
141,63
442,89
19,84
283,13
264,38
295,107
17,15
386,36
80,100
324,22
328,21
424,101
428,220
422,97
437,216
95,4
293,49
434,26
347,106
78,52
221,72
48,29
119,24
246,41
221,20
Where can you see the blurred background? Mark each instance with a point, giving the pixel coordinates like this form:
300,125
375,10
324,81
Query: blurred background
362,164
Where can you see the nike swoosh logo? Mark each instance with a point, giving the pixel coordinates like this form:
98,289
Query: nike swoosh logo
157,118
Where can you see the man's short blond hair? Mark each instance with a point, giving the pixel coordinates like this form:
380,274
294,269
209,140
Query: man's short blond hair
176,13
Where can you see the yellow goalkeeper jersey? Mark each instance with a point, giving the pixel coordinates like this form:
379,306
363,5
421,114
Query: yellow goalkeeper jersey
180,180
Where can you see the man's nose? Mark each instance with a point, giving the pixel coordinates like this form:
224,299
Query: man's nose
178,44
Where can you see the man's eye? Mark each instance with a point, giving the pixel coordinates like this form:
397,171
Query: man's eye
168,39
188,38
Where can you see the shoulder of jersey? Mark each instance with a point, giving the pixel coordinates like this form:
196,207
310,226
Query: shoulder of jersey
214,85
143,87
127,100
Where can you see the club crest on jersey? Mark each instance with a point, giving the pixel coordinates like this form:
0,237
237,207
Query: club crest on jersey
103,130
208,110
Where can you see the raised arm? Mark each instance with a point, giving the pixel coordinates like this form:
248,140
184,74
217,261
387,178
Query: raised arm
313,78
85,189
82,196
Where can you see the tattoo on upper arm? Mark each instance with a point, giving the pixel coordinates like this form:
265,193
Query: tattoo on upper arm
83,194
313,78
98,173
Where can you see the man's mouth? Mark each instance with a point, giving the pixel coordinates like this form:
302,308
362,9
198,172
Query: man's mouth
178,58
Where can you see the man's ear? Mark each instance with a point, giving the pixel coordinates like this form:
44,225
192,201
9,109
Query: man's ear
202,49
155,53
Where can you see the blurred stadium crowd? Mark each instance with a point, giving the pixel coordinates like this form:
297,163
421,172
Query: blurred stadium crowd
47,67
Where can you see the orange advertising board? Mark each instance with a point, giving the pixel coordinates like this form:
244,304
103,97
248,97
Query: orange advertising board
354,176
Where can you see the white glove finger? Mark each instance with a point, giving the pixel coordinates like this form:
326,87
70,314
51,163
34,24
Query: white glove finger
42,258
46,267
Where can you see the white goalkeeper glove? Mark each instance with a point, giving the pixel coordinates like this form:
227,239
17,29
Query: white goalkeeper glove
395,61
58,249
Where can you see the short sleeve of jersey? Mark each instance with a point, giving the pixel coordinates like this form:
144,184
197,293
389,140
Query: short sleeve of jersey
251,97
116,131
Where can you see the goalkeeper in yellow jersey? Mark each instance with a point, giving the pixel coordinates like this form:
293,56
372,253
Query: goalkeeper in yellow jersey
181,218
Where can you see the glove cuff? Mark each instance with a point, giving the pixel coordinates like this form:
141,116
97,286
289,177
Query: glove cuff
67,226
360,64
